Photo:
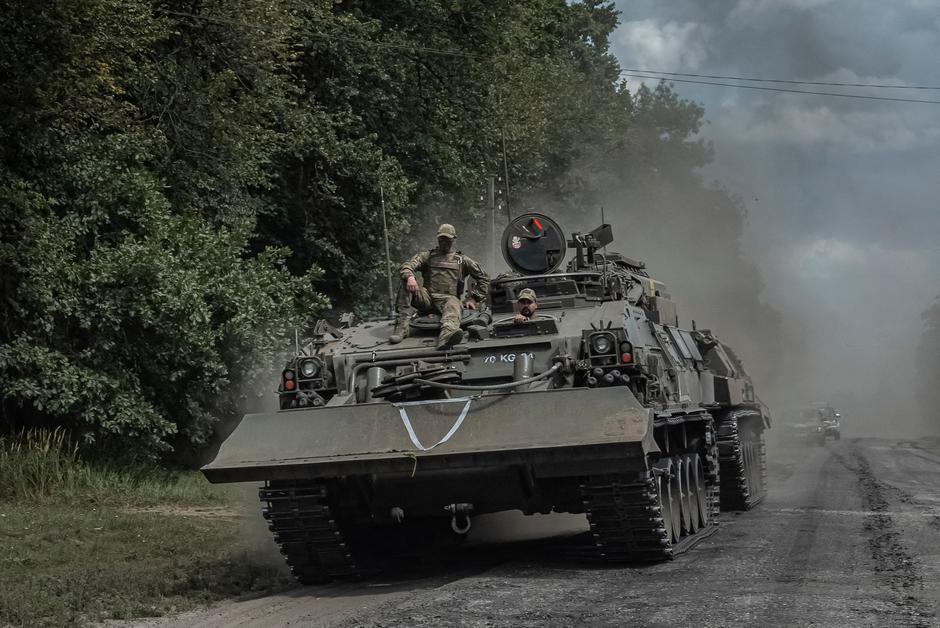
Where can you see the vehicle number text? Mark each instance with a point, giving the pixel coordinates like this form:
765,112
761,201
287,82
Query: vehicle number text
505,358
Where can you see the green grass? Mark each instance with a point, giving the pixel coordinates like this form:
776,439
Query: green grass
43,465
81,543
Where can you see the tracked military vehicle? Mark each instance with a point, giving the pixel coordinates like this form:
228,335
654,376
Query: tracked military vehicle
600,404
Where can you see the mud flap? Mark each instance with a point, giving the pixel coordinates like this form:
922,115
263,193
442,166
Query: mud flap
538,427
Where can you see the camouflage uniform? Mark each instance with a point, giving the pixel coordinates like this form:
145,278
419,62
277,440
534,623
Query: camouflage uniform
442,274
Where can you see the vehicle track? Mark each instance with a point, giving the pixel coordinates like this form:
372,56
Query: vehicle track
894,562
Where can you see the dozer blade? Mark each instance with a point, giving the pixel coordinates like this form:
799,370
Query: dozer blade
571,429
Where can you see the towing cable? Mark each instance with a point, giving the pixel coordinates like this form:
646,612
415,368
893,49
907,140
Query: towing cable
506,386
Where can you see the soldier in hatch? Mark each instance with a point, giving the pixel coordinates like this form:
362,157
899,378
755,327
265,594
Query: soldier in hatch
526,305
444,270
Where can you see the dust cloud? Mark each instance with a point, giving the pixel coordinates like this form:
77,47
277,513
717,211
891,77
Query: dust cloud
801,339
840,193
513,525
260,550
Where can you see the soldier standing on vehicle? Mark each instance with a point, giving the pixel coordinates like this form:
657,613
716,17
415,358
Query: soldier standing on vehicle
526,306
444,271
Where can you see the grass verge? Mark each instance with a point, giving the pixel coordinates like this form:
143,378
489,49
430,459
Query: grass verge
79,543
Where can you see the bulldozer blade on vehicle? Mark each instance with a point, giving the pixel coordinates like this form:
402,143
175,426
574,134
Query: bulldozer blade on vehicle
544,427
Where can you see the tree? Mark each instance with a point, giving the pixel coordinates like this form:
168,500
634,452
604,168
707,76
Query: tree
131,311
413,100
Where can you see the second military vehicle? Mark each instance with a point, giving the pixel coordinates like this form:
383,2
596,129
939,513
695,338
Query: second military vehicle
601,404
827,422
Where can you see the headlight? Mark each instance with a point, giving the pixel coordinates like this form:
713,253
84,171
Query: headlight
309,368
602,343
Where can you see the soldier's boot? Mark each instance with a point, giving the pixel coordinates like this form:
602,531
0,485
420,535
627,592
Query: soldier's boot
400,332
449,338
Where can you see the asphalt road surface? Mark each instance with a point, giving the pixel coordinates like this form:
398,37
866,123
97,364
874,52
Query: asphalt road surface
849,535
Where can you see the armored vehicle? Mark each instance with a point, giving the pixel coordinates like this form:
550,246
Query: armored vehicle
827,421
600,404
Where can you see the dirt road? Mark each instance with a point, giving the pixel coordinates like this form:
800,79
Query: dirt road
849,536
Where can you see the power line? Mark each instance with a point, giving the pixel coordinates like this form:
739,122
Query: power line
790,82
783,89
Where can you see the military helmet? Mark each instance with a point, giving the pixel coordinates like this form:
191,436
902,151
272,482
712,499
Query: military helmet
447,231
527,293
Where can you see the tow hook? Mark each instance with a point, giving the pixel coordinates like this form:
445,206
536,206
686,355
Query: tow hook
460,523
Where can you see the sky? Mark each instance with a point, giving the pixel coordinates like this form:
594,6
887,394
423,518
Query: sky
843,195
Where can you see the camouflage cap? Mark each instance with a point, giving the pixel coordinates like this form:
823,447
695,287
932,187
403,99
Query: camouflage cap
447,231
527,293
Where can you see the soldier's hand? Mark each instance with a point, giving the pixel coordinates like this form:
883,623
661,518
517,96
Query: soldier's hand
519,318
412,284
470,304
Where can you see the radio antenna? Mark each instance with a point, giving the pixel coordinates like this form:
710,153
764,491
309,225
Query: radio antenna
604,222
491,206
388,257
502,132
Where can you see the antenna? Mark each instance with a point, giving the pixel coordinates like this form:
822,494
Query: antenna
388,257
604,222
491,206
502,132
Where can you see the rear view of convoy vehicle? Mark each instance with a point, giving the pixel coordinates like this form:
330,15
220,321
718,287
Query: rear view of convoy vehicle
601,404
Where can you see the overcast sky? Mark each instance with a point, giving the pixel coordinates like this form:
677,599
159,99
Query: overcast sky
843,195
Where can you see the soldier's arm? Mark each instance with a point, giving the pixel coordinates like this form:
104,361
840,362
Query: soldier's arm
481,285
415,264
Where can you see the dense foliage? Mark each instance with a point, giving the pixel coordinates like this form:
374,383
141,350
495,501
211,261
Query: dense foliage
181,182
133,159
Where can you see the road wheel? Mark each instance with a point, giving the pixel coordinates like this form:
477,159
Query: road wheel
701,491
676,483
695,491
666,480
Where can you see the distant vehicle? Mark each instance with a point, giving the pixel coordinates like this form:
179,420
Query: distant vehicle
812,424
815,423
828,419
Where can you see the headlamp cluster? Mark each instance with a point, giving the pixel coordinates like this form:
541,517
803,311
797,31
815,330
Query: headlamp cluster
310,368
609,348
303,383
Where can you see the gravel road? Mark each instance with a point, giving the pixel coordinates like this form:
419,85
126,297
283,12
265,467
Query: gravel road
848,536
